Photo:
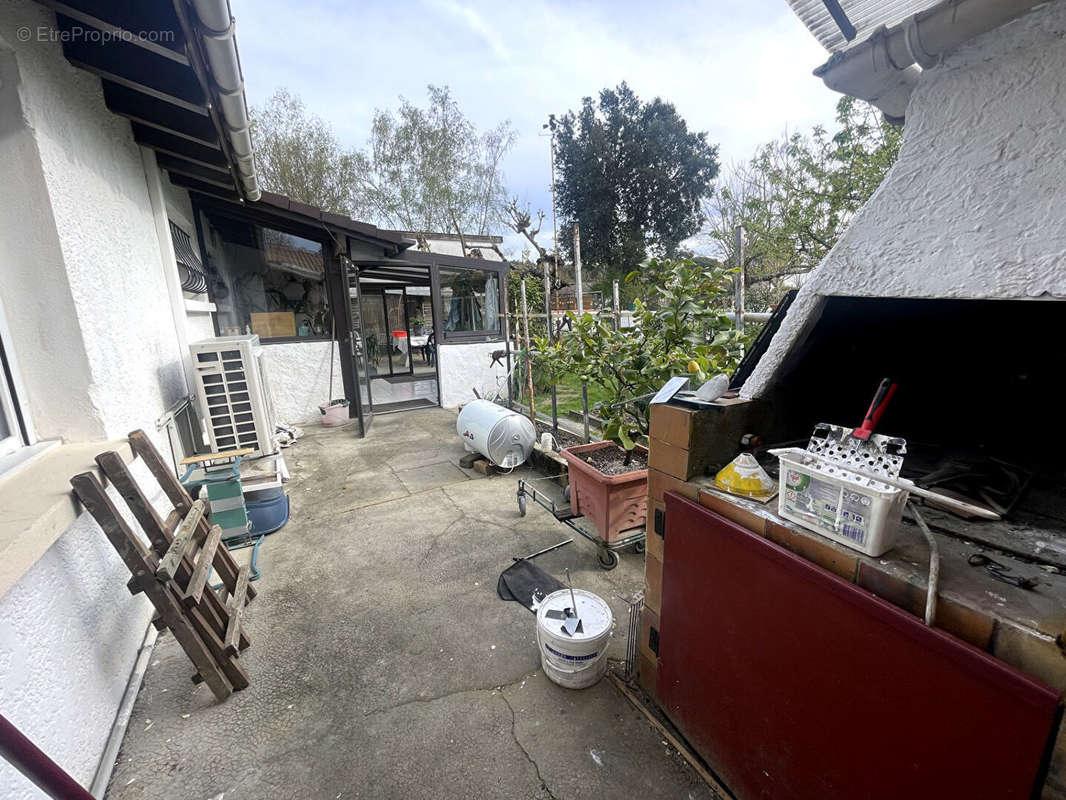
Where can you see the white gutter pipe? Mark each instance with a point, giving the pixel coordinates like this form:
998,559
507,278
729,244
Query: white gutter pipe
216,26
885,67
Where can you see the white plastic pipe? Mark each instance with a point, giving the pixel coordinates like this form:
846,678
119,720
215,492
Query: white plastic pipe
215,27
885,67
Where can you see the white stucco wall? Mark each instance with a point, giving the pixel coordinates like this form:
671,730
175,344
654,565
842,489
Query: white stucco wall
69,635
38,305
298,373
975,207
94,339
110,264
466,366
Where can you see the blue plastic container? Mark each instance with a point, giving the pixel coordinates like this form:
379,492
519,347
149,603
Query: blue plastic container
268,509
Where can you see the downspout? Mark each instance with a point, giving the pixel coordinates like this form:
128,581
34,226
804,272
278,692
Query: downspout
215,28
885,67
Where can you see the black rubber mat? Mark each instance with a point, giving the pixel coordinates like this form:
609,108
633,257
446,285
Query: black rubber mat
524,579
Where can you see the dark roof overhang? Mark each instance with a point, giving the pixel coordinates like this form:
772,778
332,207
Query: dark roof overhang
155,71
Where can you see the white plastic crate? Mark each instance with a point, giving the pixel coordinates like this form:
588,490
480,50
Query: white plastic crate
861,513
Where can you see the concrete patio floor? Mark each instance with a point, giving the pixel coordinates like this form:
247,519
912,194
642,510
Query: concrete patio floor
383,664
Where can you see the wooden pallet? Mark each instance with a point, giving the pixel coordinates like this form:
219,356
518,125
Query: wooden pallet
173,571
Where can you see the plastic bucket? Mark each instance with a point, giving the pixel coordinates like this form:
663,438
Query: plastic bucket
334,413
269,514
578,661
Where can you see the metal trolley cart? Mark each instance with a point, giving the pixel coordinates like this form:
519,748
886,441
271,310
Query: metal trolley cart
607,552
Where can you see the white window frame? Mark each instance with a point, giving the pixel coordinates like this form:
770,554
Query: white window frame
9,385
14,441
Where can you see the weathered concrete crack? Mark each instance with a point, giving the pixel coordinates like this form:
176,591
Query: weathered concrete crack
497,687
522,747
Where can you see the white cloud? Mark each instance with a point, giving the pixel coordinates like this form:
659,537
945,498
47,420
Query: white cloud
475,22
738,69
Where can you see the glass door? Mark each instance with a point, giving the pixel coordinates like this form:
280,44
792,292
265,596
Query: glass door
359,347
376,330
399,342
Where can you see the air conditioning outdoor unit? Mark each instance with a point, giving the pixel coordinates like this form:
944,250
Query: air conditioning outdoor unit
232,389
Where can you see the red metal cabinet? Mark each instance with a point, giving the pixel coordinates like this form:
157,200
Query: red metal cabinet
793,683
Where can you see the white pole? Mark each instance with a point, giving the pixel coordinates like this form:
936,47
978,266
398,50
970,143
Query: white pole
578,289
555,229
617,310
548,316
529,370
738,280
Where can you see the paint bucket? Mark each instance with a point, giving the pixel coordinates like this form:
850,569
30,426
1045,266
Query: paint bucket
578,661
334,413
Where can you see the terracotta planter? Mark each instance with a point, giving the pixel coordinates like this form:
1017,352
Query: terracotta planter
613,503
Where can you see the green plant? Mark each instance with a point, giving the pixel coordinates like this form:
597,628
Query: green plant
680,330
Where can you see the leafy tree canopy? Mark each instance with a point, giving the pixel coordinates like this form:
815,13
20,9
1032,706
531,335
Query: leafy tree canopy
632,174
430,169
298,155
679,329
797,195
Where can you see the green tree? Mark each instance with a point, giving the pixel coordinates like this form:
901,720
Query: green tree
298,155
431,169
797,195
680,329
632,174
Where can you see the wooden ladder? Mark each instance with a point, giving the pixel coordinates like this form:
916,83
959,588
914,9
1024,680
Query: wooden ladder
173,572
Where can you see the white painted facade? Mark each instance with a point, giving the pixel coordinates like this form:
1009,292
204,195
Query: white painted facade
96,327
973,207
93,340
298,375
464,367
69,635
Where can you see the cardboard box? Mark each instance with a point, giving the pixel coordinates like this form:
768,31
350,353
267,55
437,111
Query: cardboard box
274,324
649,634
655,541
653,583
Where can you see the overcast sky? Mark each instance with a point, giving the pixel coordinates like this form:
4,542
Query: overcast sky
738,69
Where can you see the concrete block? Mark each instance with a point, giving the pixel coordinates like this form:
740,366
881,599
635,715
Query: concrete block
815,549
1036,655
967,623
649,634
655,541
659,483
710,436
648,674
676,461
653,583
1055,785
722,506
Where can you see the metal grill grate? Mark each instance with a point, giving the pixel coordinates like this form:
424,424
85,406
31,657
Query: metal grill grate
193,278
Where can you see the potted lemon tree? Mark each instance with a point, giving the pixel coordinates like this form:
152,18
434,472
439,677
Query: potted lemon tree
680,328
